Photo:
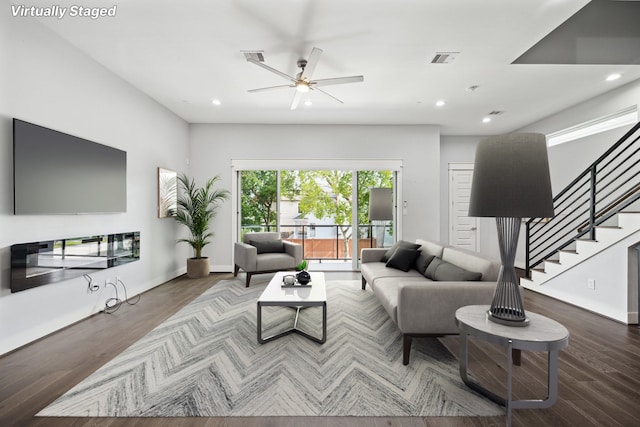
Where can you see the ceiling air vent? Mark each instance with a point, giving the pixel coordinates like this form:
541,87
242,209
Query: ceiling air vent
444,57
256,55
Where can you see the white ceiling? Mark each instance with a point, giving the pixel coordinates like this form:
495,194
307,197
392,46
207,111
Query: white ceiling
184,53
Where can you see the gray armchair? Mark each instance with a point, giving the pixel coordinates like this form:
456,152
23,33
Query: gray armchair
267,253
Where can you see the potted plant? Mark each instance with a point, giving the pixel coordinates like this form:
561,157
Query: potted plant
196,208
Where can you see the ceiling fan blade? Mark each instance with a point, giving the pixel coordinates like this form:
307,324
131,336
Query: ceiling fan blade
328,94
269,88
314,57
273,70
337,81
296,100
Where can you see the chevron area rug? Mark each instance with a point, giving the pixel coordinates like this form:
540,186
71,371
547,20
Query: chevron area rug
206,361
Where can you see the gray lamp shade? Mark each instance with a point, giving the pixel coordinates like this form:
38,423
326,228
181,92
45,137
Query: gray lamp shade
380,204
511,177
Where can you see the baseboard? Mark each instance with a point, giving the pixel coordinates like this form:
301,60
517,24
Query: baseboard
221,268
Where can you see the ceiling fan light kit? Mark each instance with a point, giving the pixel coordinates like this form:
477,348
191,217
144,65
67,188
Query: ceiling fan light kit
302,87
302,82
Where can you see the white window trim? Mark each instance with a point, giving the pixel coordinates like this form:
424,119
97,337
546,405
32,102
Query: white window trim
627,116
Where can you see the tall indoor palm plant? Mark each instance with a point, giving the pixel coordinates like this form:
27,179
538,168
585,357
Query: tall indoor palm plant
196,208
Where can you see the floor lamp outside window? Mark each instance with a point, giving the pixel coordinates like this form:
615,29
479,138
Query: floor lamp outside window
380,210
510,182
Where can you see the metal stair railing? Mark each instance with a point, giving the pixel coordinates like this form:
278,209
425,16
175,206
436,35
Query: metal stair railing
608,186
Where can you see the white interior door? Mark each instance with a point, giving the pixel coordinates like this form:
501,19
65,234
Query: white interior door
463,229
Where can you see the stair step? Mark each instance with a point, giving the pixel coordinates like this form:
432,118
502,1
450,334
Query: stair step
526,281
539,276
618,227
629,219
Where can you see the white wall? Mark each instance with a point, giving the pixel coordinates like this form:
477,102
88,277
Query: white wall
567,160
611,269
45,81
214,146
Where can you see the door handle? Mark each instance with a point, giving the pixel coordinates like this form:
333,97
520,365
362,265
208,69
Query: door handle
474,228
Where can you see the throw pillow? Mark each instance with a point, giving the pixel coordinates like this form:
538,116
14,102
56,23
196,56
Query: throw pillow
267,246
403,259
399,244
423,261
443,271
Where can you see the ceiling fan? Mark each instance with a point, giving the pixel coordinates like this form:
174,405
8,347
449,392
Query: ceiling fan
302,82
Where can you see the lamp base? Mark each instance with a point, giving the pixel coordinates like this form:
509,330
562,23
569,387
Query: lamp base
507,307
517,323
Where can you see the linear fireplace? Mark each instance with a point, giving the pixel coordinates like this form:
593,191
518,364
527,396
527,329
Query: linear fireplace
40,263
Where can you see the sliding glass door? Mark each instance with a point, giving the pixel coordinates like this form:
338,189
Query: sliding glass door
325,210
375,232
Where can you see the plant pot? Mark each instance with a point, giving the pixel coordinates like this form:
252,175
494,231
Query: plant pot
197,268
303,277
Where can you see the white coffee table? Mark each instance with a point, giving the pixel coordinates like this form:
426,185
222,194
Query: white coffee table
300,297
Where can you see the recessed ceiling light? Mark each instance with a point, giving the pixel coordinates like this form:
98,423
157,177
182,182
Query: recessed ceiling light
486,120
216,102
614,76
440,103
308,103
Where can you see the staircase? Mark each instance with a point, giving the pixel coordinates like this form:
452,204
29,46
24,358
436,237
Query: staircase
597,212
628,224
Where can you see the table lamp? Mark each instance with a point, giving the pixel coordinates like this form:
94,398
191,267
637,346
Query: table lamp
380,209
510,181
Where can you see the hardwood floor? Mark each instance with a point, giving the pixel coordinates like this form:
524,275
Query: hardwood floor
599,372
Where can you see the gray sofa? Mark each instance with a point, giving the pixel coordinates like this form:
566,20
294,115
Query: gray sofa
421,306
265,252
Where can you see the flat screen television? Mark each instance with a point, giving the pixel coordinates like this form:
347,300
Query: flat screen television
57,173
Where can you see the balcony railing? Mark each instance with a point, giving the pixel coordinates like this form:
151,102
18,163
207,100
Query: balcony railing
325,242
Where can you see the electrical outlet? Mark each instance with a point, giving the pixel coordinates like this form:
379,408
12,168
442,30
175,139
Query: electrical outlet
591,284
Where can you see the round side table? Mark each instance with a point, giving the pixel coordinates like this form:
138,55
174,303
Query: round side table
542,334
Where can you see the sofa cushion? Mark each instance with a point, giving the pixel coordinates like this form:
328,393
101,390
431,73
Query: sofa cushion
387,291
399,244
472,261
443,271
268,246
430,248
275,261
403,259
261,235
422,262
374,271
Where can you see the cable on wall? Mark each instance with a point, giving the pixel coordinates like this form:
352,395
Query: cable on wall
91,287
112,304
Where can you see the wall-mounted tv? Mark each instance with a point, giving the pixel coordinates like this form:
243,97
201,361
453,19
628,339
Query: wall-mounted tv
57,173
